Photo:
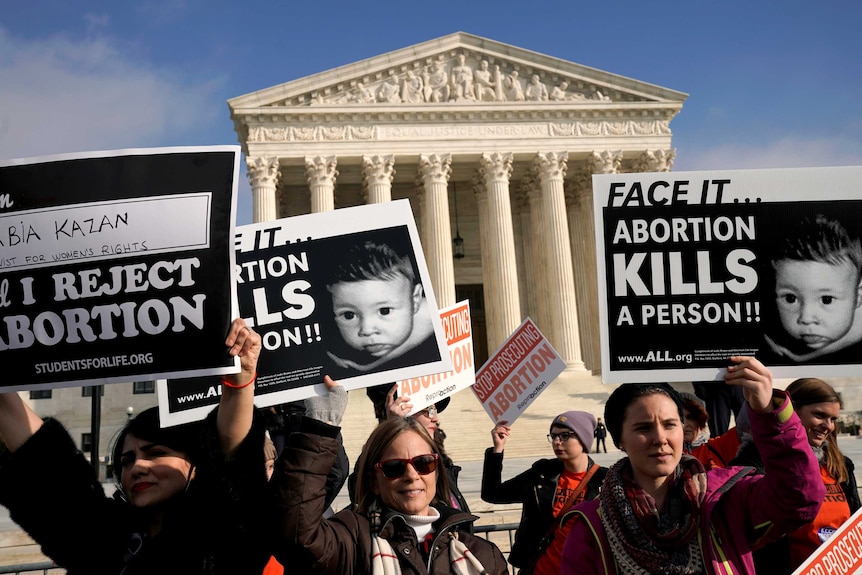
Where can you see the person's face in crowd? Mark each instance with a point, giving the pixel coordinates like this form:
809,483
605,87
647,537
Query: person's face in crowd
816,301
428,418
412,493
375,316
567,446
690,428
652,437
819,420
152,473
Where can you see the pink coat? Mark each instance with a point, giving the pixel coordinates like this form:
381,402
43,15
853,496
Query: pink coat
740,508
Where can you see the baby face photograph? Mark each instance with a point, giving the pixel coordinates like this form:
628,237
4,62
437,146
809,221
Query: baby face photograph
817,267
378,306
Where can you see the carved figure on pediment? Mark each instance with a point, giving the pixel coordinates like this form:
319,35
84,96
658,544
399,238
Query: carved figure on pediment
412,89
462,80
390,91
597,95
536,91
437,84
512,89
485,86
558,94
364,94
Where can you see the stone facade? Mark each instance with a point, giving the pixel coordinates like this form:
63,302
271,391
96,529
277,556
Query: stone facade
506,138
509,136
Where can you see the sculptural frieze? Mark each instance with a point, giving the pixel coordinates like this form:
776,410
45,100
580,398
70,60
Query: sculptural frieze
458,130
458,79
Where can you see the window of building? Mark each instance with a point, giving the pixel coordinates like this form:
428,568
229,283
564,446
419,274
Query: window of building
86,442
88,391
41,394
144,387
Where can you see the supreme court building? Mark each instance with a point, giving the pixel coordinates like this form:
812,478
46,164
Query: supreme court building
492,144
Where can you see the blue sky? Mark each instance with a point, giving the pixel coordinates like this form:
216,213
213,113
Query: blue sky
770,84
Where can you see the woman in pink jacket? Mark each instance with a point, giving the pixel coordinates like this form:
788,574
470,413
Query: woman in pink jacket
661,512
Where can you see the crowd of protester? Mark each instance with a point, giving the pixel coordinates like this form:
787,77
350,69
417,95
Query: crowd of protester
251,490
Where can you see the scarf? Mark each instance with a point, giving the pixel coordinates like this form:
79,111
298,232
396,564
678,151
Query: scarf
385,562
647,540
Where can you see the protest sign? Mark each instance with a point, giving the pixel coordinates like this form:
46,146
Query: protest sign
696,267
841,554
116,266
515,375
429,389
344,293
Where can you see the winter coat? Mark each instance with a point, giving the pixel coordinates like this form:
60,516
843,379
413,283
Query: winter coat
534,489
214,528
341,545
740,507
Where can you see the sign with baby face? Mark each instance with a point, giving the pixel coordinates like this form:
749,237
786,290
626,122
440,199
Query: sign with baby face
697,267
344,293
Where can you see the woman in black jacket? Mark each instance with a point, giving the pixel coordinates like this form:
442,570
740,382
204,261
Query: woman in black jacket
189,497
401,522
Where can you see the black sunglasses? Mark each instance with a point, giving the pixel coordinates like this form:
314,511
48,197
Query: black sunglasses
395,468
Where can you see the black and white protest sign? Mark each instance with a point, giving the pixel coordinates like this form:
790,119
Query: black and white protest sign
344,293
116,265
696,267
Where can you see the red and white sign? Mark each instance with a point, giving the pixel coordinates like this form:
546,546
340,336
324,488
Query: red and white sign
841,554
430,389
517,373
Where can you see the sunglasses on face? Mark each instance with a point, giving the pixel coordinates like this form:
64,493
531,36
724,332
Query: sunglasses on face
430,411
562,437
395,468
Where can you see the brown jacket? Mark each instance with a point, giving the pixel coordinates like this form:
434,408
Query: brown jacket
307,543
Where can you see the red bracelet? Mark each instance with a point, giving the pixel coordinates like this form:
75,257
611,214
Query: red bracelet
225,382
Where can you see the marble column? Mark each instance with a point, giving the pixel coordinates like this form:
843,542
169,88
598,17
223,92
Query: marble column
419,208
496,169
579,203
377,174
435,169
489,275
263,175
654,161
535,256
321,174
550,169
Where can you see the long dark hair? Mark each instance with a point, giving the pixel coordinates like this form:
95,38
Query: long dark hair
183,438
379,440
808,391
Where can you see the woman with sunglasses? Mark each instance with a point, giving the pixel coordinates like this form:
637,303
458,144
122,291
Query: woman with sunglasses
547,491
429,418
188,497
401,522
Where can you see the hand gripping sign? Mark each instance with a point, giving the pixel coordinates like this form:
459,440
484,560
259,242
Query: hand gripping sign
517,373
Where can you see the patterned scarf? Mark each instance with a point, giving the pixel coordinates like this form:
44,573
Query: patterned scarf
646,540
384,561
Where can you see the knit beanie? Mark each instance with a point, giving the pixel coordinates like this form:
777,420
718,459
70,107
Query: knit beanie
583,424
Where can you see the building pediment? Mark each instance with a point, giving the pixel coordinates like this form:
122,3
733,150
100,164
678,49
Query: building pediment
456,69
